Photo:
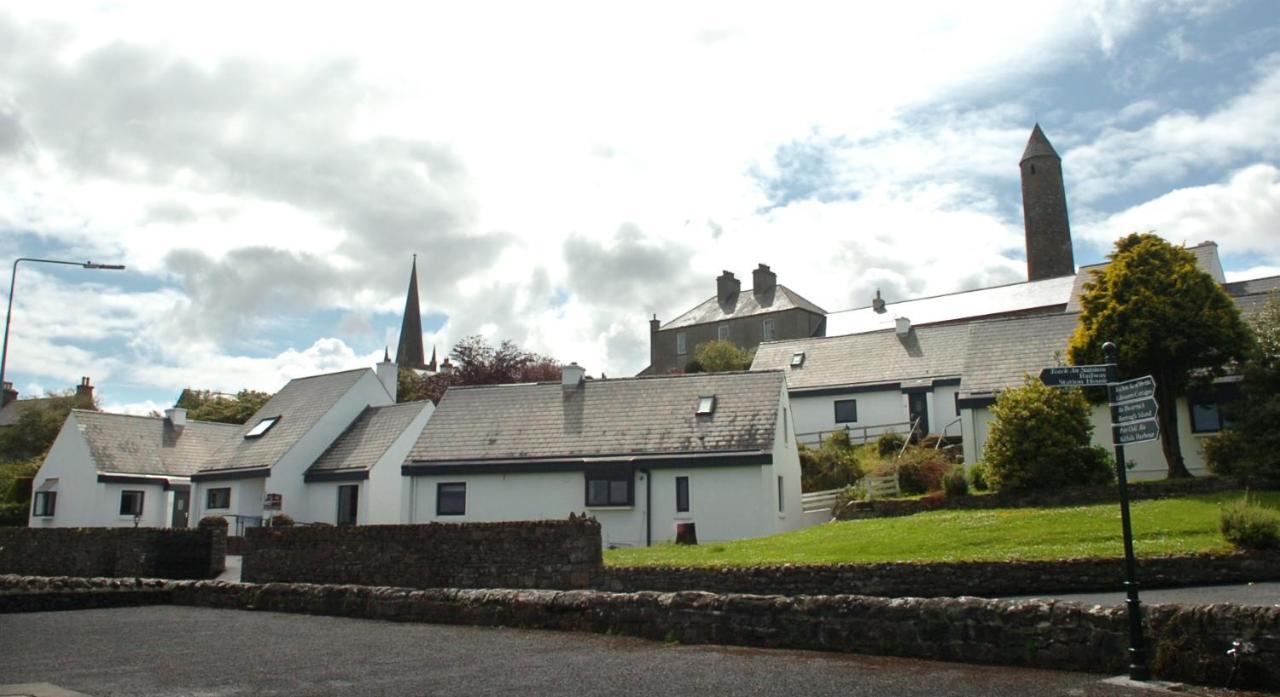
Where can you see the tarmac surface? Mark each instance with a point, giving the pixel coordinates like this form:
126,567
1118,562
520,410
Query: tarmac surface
170,650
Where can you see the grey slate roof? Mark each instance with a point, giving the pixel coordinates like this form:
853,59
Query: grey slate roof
1254,286
870,358
745,304
126,444
1206,254
629,416
12,412
368,437
1001,351
299,404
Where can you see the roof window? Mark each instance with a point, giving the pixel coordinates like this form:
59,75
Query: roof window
262,427
797,359
706,405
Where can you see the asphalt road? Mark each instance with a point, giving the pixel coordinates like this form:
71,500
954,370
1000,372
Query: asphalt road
168,650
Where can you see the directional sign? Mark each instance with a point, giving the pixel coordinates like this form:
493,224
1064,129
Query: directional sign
1138,410
1075,376
1135,432
1140,388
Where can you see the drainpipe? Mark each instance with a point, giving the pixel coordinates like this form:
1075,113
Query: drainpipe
648,506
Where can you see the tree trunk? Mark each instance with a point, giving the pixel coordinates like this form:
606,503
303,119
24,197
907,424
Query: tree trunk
1167,400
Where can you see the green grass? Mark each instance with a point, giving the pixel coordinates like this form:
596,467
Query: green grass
1161,528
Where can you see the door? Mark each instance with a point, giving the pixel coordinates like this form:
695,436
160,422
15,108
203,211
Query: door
181,506
918,408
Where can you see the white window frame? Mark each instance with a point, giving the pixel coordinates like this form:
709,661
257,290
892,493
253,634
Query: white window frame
722,332
682,343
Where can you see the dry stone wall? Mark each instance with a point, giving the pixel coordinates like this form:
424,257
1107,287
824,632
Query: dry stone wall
119,552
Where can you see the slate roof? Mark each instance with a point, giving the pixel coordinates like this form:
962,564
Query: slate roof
1206,254
1254,286
625,417
368,437
1001,351
869,358
745,304
124,444
299,405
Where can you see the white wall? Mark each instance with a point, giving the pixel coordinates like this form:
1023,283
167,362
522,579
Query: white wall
70,462
246,500
786,464
818,413
385,481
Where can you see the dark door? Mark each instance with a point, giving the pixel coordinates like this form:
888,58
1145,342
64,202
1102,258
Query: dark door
348,503
918,408
181,506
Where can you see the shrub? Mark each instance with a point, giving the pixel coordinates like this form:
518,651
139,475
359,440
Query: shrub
921,469
1040,440
212,521
832,465
978,476
847,495
280,520
1248,525
955,483
890,444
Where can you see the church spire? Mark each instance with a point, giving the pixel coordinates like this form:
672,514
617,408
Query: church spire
409,352
432,365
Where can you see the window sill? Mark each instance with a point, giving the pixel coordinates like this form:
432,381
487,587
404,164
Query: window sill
610,508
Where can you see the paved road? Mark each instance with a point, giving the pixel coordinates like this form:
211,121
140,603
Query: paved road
168,650
1246,594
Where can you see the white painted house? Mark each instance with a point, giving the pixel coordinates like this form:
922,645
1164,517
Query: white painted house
641,455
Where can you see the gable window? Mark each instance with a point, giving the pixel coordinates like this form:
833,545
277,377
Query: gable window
706,405
722,332
769,333
682,494
218,498
682,343
1206,407
131,502
846,411
262,427
797,359
44,503
609,490
348,503
451,498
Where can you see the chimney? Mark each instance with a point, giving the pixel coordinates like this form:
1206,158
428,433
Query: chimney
902,326
877,303
763,281
654,326
84,393
388,375
570,377
9,395
727,287
176,416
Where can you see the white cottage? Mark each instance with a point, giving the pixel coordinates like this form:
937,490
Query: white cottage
641,455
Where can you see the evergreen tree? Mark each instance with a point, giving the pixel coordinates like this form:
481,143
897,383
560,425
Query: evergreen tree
1250,447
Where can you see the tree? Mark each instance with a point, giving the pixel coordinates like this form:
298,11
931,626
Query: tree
721,355
1168,318
1040,439
205,405
474,362
1250,446
23,447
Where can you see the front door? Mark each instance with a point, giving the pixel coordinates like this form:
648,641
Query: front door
181,504
918,413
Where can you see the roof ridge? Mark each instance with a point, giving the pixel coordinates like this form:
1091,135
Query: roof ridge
101,412
958,292
628,378
325,375
931,326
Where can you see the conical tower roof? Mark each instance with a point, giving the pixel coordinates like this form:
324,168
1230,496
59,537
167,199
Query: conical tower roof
1038,146
409,352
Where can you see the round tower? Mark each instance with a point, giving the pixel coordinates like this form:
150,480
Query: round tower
1044,211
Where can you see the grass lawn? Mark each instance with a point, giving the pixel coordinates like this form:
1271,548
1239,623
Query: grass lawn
1160,528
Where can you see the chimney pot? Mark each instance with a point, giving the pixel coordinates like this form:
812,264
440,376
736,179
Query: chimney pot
877,303
84,392
763,281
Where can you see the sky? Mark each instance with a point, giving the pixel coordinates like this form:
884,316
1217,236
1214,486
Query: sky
564,172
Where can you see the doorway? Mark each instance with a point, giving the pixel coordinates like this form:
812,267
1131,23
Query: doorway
918,409
181,506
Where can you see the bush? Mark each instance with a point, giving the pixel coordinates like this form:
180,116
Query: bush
1040,440
1248,525
921,469
955,483
280,520
890,444
847,495
212,521
978,477
833,465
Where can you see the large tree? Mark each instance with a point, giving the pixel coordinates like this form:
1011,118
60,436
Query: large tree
474,362
1168,318
204,405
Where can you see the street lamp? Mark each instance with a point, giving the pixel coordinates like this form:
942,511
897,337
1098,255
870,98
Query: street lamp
13,279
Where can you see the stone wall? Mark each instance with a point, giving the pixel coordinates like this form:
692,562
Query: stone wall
119,552
535,554
943,579
1185,643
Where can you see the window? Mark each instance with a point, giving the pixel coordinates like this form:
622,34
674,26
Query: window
44,503
451,498
722,332
609,490
682,343
706,405
846,411
348,503
262,427
779,494
1205,405
218,498
682,494
797,359
769,333
131,503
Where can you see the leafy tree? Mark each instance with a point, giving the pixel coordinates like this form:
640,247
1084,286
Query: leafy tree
204,405
1168,319
720,355
23,447
1250,447
1040,439
474,362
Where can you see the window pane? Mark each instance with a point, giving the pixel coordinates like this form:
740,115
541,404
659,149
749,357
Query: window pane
723,332
682,346
451,499
768,330
597,492
348,503
1204,417
219,498
846,411
130,503
618,492
682,494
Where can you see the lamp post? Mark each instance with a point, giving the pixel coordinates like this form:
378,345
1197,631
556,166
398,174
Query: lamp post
13,279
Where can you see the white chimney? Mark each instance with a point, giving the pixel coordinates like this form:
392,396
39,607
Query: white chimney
571,376
389,375
176,416
903,326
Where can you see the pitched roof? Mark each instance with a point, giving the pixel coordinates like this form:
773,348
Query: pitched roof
628,416
745,304
868,358
1253,286
11,412
1206,254
1001,351
150,445
368,437
298,405
1038,146
1048,294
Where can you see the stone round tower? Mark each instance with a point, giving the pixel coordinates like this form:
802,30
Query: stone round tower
1044,211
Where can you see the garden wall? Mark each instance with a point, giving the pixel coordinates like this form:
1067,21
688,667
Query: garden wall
533,554
119,552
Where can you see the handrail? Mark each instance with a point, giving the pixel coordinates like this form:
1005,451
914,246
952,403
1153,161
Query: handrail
865,431
910,432
943,435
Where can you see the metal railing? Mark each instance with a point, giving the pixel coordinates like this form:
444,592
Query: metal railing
240,522
943,435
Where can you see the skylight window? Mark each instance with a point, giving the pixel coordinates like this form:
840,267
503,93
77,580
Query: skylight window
797,359
262,427
706,405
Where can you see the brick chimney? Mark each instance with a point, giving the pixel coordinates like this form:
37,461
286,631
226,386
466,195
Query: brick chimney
654,326
727,287
763,281
84,392
9,394
877,303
